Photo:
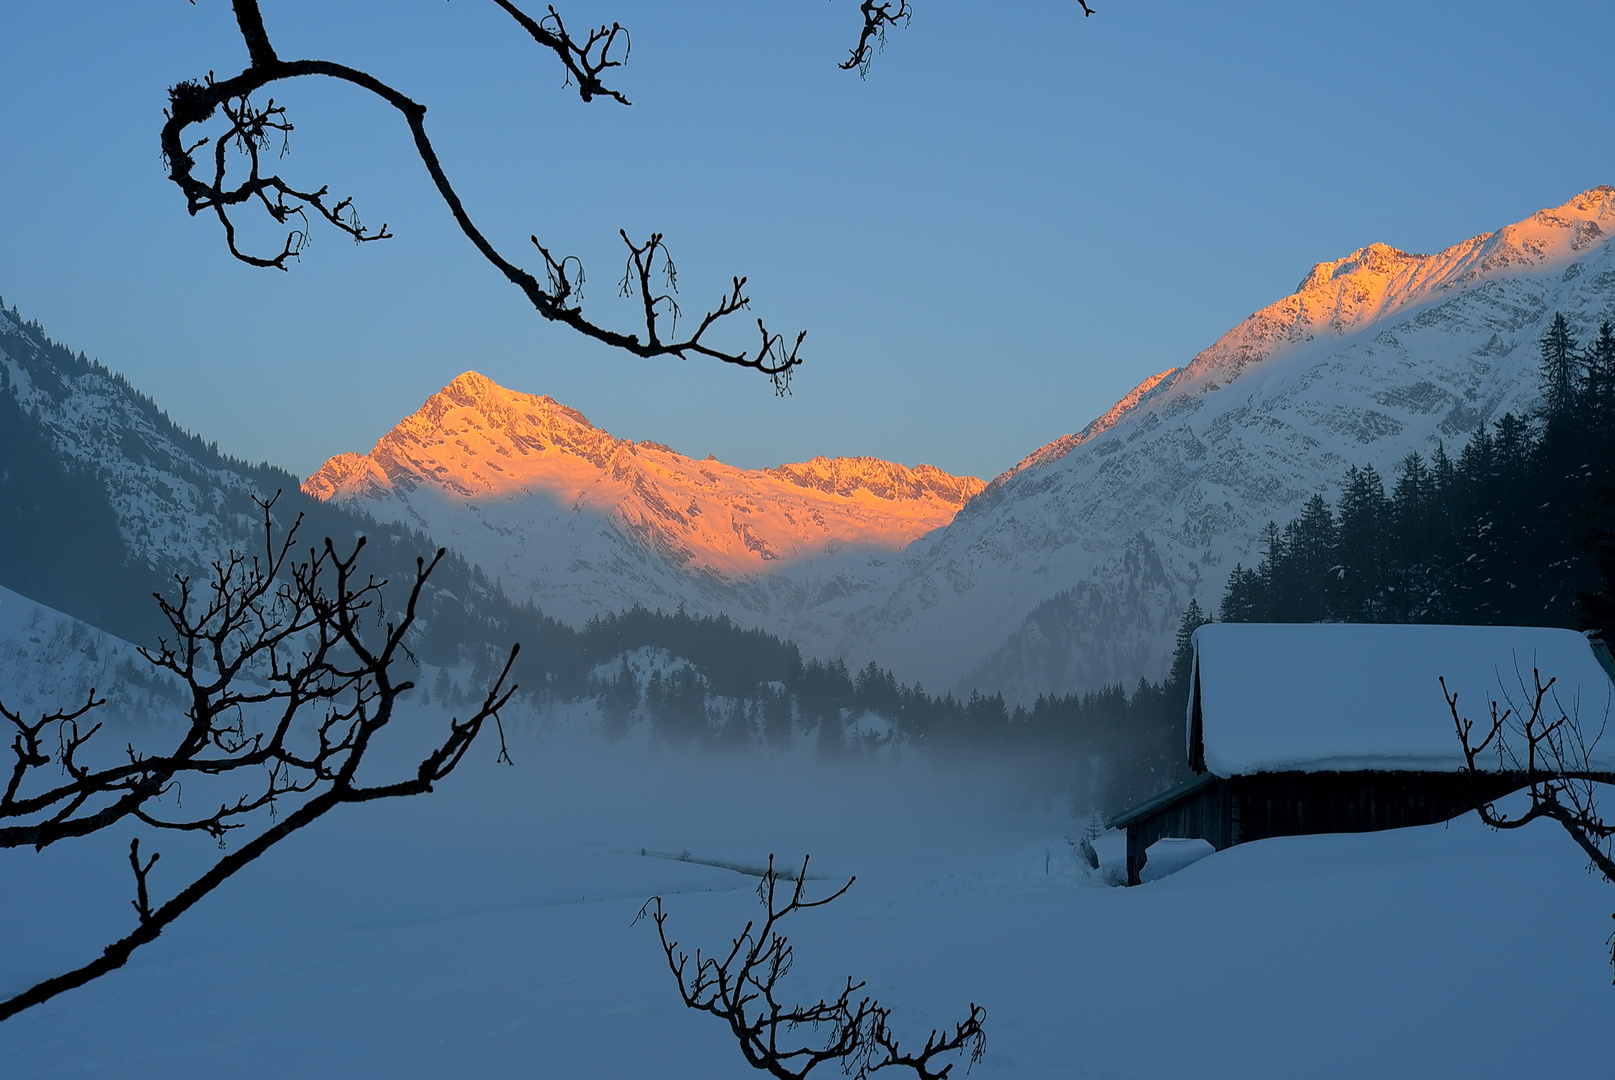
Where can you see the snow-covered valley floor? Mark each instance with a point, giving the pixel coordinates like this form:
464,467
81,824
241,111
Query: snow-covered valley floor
486,931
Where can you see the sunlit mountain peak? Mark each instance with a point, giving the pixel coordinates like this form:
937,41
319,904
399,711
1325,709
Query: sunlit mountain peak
1346,295
482,466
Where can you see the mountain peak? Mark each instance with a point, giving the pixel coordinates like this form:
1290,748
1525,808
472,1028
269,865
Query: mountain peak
1071,571
1345,296
472,389
477,448
1375,259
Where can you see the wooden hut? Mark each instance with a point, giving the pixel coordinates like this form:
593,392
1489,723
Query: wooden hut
1342,727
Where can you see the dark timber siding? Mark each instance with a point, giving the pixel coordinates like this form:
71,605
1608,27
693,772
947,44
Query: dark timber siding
1254,807
1299,803
1202,814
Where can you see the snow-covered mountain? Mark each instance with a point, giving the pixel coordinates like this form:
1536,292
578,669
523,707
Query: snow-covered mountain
1071,569
1067,572
178,502
103,500
585,523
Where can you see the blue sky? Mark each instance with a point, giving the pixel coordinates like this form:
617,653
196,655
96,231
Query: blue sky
1016,217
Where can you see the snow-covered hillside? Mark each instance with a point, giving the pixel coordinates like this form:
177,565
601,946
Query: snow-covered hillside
179,503
50,661
584,522
1072,569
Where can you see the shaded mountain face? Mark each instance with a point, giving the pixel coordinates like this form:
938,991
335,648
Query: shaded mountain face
104,500
1072,569
583,522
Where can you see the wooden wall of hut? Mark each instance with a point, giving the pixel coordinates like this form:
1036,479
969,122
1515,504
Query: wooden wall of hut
1261,805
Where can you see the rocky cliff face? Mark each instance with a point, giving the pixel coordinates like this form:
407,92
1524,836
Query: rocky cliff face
583,522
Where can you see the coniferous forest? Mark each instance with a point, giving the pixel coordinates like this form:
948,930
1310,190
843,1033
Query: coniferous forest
1516,528
746,686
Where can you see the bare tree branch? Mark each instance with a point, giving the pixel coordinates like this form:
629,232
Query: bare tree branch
1547,744
289,667
740,989
584,62
252,130
878,15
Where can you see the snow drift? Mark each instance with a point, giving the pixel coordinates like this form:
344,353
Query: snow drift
1352,696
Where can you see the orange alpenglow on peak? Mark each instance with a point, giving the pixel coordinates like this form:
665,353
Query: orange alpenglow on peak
528,463
1343,296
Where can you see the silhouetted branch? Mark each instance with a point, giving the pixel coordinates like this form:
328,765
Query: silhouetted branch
878,15
252,130
1549,747
584,62
142,900
267,644
740,989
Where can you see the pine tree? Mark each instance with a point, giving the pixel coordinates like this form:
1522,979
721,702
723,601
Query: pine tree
1411,542
1270,575
619,700
1598,379
1560,370
1511,450
1240,601
1194,617
1527,510
1304,580
1364,514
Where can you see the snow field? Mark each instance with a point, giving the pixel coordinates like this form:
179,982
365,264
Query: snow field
486,931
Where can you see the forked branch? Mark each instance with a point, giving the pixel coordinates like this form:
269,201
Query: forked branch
1550,746
877,15
584,61
254,136
290,669
852,1030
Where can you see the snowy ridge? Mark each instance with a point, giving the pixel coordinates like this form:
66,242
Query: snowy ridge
1062,446
1071,570
584,522
1372,284
1340,297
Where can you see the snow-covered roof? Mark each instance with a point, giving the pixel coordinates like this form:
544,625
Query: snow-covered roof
1324,696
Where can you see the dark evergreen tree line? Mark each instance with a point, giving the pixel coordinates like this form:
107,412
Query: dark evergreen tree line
742,686
59,539
1515,530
